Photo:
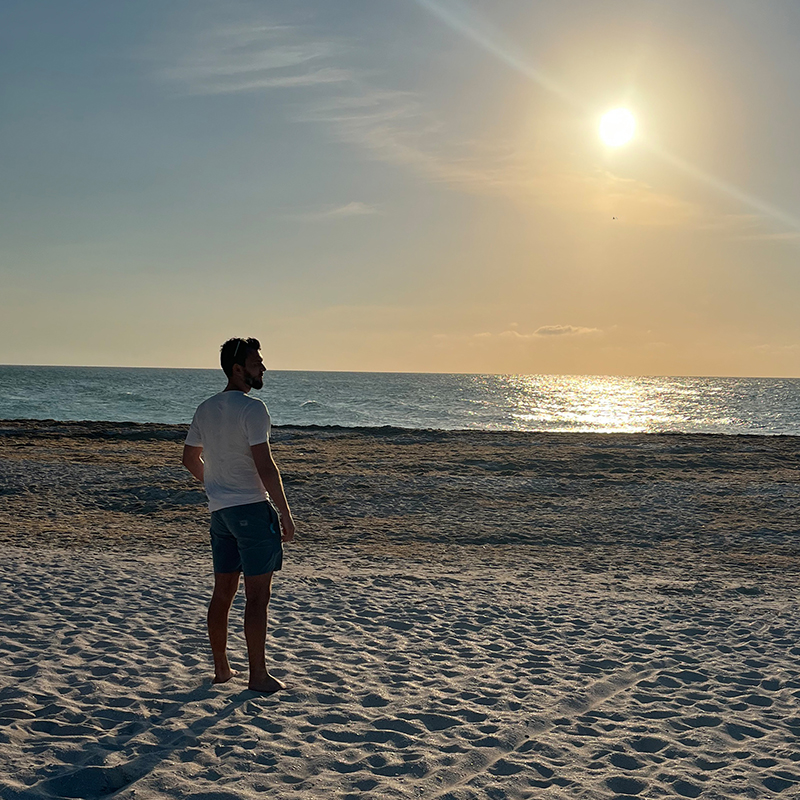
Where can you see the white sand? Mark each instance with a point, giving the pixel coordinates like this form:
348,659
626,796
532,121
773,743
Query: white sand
528,677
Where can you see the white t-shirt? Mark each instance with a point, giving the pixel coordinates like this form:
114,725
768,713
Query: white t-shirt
226,426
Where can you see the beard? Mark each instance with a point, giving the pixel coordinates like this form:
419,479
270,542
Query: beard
254,381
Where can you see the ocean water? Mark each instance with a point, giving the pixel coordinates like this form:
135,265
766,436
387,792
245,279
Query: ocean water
356,399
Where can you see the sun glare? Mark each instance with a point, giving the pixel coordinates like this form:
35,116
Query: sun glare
617,127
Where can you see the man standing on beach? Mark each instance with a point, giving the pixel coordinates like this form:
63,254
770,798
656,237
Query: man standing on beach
227,449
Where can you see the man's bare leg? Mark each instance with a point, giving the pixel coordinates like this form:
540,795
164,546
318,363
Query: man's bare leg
258,589
225,586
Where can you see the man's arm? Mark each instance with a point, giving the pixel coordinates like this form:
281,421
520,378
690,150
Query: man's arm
271,478
193,460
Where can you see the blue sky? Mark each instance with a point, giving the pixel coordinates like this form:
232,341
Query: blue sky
403,185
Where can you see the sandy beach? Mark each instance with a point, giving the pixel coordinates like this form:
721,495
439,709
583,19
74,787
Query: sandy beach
463,615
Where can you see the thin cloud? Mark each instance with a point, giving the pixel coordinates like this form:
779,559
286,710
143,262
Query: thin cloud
349,210
239,58
564,330
511,335
352,210
320,76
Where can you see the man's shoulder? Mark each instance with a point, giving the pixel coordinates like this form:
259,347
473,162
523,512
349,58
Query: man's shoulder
249,399
232,402
210,402
254,409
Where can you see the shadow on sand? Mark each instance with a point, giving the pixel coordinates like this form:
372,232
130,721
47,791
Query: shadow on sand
94,781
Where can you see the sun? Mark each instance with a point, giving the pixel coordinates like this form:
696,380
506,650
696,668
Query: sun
617,127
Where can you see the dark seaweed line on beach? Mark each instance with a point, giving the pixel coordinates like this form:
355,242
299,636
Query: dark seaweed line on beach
144,431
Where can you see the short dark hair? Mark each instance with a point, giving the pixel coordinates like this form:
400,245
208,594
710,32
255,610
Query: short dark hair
234,351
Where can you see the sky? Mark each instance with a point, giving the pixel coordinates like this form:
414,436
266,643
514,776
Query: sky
402,185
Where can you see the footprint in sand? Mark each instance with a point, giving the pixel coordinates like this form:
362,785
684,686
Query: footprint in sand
781,784
374,701
759,700
503,767
687,789
399,725
624,761
346,737
440,722
702,721
623,785
52,728
398,740
648,744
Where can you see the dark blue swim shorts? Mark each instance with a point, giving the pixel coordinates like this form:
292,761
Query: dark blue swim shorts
246,539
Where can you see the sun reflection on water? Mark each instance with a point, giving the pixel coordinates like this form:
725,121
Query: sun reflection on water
600,403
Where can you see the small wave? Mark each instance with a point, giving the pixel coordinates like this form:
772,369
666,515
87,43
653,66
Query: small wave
311,404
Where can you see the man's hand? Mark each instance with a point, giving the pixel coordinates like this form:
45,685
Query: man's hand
287,528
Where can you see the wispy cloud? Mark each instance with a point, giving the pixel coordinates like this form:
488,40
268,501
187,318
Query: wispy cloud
563,330
391,125
349,210
352,210
513,335
241,58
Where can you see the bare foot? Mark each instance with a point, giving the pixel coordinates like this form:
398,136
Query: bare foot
267,685
224,677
